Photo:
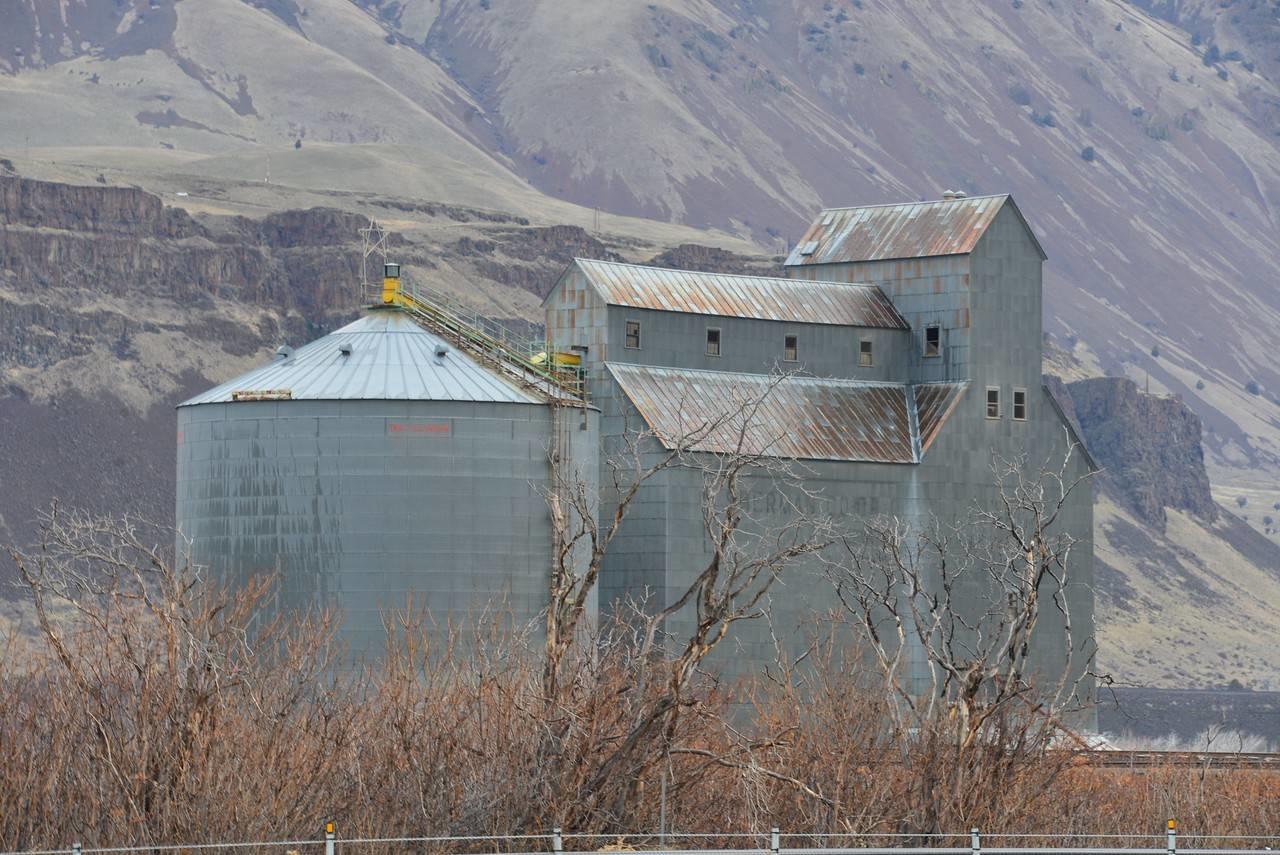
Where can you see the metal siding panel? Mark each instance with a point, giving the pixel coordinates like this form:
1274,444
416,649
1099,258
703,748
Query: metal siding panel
724,295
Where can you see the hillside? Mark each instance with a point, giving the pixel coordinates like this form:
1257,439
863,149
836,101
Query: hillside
1140,137
230,148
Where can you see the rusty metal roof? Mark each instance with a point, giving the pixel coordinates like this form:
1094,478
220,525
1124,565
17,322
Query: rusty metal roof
790,416
886,232
934,404
735,296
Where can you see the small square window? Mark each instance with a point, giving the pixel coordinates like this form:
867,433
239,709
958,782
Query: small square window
1020,405
790,348
713,341
865,356
993,402
933,340
633,335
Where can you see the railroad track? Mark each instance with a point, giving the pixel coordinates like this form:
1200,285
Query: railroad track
1181,759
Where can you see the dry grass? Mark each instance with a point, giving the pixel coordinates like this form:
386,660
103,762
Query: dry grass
146,711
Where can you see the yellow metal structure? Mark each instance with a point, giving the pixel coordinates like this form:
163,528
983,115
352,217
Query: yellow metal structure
390,284
559,358
561,381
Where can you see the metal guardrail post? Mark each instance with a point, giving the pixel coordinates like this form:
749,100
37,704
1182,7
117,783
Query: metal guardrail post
975,841
557,841
75,849
329,837
1171,841
775,840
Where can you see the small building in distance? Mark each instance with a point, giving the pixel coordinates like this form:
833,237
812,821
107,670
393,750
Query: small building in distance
910,336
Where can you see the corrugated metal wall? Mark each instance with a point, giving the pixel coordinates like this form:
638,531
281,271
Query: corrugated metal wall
360,505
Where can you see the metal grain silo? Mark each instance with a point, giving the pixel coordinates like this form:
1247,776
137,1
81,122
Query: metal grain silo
375,464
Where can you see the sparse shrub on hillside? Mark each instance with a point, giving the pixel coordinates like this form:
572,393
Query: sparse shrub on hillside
656,57
297,144
1138,112
1186,123
1276,506
1155,351
1268,521
1242,500
1157,131
1223,74
1253,388
1232,56
1212,55
1196,39
1119,26
1020,95
859,69
1085,117
1017,4
1173,75
1045,119
1199,385
1087,154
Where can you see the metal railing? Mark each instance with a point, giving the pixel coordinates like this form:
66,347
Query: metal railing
772,842
493,342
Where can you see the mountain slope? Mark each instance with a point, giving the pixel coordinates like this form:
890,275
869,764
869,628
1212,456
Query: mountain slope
1147,162
489,133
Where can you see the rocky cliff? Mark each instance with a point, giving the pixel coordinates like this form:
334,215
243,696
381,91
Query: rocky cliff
1149,447
1188,595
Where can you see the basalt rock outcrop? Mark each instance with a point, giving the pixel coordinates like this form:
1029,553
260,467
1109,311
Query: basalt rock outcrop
1148,446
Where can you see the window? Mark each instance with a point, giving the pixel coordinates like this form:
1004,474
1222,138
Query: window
790,348
993,402
865,357
933,340
1020,405
713,341
633,335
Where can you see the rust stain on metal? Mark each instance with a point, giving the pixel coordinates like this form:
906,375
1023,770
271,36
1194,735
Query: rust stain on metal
886,232
934,404
734,296
788,417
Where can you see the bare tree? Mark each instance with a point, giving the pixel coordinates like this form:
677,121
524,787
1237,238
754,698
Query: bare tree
725,454
947,612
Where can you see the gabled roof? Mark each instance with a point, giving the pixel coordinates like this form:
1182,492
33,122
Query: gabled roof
390,358
889,232
735,296
791,417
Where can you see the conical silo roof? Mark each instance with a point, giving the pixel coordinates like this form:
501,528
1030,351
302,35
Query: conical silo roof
383,356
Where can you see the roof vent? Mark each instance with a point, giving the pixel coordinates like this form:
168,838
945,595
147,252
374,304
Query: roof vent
948,195
283,352
442,350
809,247
960,194
345,348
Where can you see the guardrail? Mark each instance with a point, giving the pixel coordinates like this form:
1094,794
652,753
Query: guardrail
772,842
